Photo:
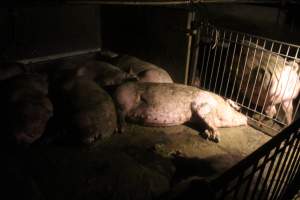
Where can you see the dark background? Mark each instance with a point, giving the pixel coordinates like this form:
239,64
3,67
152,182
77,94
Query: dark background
153,33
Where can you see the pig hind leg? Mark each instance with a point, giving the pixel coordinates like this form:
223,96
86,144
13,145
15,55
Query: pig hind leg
204,113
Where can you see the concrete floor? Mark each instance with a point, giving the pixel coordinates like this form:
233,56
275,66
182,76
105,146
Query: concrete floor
142,163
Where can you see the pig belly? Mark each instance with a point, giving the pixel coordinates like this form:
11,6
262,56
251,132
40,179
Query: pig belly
150,116
164,104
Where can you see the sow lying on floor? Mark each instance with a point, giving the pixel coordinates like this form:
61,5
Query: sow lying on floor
167,104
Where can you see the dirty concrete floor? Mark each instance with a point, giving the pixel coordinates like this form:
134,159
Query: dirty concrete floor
142,163
186,143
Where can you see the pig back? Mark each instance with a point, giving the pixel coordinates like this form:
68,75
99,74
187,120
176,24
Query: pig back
255,70
90,110
147,72
105,74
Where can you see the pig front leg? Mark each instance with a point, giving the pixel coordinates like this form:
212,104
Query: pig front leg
287,106
121,120
270,110
205,113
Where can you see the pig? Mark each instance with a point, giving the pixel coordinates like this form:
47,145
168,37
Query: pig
145,71
268,80
88,110
105,74
27,107
168,104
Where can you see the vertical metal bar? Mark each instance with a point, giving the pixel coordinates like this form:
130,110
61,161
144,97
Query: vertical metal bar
196,53
296,170
290,165
225,67
189,44
213,66
260,175
221,54
281,171
269,57
295,163
224,192
202,67
276,169
236,39
260,196
280,105
297,107
272,74
296,110
244,66
237,68
254,167
291,102
249,76
207,62
255,81
238,185
297,167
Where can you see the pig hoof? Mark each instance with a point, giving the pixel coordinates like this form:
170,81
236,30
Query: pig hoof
120,130
211,135
216,139
205,134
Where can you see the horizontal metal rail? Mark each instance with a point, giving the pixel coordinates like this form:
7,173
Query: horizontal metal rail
250,70
282,147
58,56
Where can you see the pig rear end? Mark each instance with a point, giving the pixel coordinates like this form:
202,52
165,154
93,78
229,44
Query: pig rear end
89,111
27,107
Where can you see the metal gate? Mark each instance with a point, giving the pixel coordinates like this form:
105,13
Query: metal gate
246,69
267,173
250,70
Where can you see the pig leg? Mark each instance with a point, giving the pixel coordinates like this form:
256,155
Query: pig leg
121,120
287,106
233,104
270,110
204,112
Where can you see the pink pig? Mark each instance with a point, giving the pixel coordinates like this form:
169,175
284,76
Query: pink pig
284,87
167,104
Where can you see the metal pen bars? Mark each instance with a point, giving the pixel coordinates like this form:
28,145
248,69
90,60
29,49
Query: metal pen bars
267,173
241,67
